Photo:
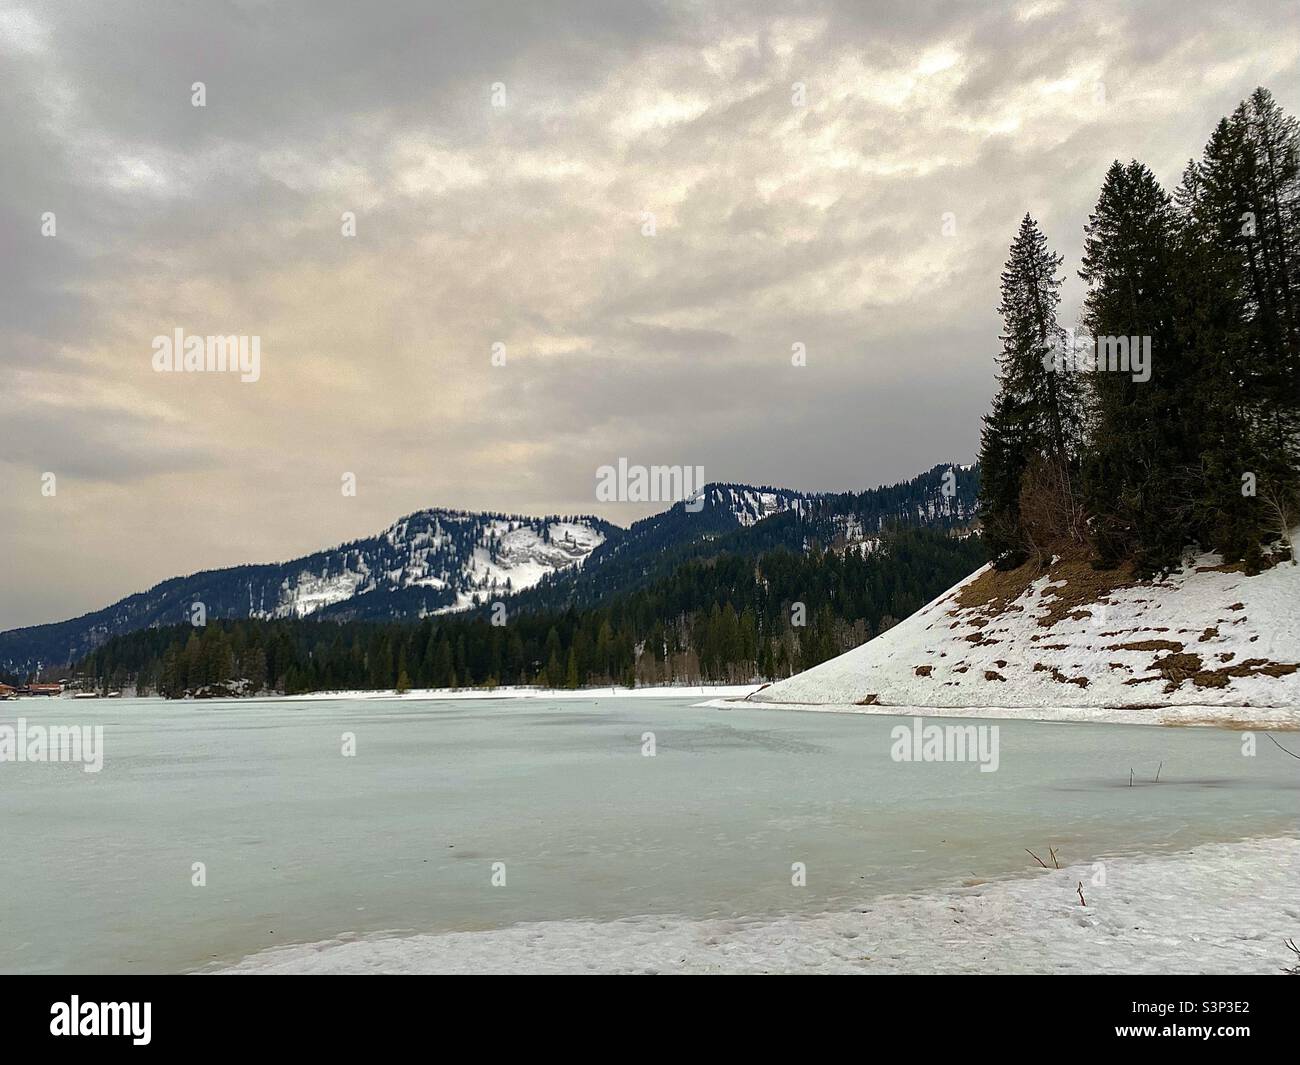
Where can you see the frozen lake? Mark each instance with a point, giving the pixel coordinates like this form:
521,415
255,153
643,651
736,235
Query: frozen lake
301,844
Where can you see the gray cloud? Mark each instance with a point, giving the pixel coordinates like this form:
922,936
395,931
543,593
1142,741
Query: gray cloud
775,224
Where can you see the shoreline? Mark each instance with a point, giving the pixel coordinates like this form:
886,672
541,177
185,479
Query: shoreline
686,691
1184,715
1217,907
738,696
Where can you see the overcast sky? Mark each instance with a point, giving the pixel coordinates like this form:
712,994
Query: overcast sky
777,221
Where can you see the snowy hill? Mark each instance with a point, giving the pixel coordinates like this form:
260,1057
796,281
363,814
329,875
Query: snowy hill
462,558
1073,636
426,563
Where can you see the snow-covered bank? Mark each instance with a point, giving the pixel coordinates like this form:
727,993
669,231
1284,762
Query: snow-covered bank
701,691
1266,718
1073,643
1220,908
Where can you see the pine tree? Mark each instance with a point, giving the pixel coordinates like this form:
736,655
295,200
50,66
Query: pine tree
403,678
1036,413
1141,435
571,671
1210,323
1241,203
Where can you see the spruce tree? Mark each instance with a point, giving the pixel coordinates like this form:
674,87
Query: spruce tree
1036,413
1141,433
1241,212
1210,324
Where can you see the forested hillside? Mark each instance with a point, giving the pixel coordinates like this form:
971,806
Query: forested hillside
727,618
437,561
944,497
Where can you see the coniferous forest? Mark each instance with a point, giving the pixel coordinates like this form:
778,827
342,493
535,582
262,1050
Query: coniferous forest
730,618
1181,425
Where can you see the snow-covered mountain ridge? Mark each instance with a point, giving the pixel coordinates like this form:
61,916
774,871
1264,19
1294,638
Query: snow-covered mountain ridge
425,563
464,556
440,560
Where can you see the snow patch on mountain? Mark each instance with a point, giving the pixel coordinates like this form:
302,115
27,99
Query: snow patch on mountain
470,555
749,506
522,557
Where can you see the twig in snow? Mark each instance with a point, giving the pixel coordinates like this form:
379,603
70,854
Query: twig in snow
1052,854
1158,768
1130,776
1295,969
1036,858
1079,889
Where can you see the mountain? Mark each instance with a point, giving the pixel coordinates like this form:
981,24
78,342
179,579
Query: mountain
436,561
1074,642
740,519
433,560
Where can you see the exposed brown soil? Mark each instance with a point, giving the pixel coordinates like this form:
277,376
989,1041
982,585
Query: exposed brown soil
1252,667
1147,645
990,675
924,671
1177,668
994,589
1075,585
1060,677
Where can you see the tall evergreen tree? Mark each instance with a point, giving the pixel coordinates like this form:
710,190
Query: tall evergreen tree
1036,415
1209,323
1241,203
1141,433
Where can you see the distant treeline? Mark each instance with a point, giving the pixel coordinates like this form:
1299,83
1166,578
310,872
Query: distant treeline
725,619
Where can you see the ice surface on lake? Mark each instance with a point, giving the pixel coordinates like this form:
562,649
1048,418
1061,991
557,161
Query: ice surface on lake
301,844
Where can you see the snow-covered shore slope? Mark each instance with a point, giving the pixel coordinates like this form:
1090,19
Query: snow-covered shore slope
1220,908
1072,636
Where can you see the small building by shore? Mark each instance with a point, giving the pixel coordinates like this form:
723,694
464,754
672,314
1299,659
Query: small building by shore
45,689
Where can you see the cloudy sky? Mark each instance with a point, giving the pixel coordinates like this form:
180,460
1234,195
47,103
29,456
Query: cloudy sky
781,216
